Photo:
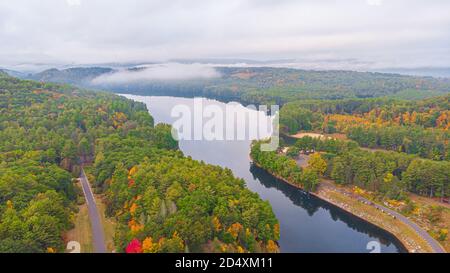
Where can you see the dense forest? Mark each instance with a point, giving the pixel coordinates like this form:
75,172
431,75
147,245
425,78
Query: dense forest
47,131
165,202
405,143
390,174
414,127
263,85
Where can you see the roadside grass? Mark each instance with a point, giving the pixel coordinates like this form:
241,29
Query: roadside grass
428,206
109,225
81,233
407,236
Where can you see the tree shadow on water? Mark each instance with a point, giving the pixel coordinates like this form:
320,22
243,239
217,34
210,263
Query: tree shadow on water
312,205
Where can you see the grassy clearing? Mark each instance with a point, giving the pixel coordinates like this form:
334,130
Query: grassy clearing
319,135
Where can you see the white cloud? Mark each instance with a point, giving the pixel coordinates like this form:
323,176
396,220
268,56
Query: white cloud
165,71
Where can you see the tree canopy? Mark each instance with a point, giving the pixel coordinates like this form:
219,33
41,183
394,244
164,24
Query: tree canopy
163,201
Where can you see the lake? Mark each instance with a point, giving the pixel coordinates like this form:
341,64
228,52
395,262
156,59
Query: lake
307,224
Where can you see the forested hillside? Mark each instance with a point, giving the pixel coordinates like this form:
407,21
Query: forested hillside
48,130
165,202
81,76
264,85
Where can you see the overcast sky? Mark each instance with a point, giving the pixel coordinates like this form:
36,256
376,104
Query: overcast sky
357,33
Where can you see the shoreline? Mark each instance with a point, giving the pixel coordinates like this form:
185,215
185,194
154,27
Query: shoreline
408,245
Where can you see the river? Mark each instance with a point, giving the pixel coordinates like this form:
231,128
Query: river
307,224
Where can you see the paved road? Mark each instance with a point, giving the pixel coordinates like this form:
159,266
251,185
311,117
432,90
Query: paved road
98,236
427,237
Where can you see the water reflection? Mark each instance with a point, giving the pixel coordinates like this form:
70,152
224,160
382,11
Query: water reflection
312,205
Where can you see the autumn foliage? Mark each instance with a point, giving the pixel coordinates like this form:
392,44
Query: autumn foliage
134,247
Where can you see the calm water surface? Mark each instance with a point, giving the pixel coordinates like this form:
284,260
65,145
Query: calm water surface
307,224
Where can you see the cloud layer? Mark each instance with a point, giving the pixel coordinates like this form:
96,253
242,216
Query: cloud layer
377,33
166,71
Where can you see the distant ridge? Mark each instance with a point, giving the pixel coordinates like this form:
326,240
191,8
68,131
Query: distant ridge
438,72
12,73
75,75
257,85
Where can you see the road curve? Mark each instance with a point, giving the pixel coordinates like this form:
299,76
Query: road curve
98,236
437,248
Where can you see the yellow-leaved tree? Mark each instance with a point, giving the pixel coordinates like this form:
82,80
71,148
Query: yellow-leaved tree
317,163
